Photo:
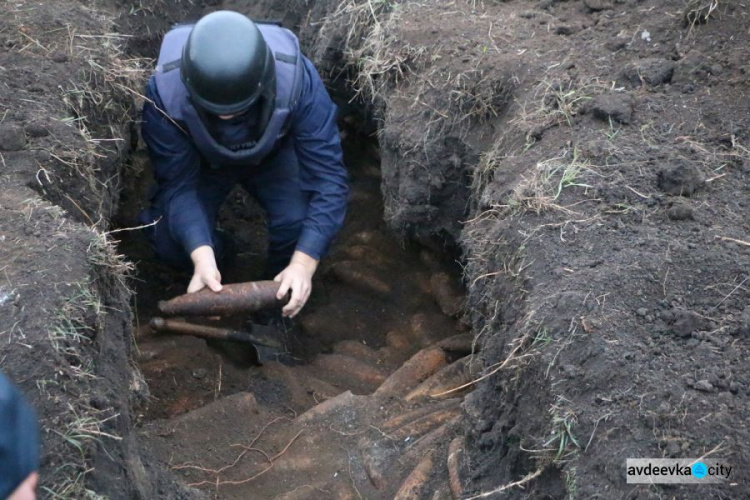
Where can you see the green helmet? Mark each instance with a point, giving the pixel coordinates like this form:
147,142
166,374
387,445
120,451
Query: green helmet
226,64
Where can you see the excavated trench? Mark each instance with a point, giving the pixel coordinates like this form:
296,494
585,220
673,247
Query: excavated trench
353,338
356,407
399,287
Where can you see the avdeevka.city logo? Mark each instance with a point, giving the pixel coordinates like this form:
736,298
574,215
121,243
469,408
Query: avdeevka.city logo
699,470
677,471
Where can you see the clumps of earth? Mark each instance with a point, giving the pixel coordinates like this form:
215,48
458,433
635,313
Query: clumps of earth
550,214
680,178
12,137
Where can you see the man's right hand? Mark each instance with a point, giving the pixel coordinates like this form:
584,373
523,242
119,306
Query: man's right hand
205,271
27,489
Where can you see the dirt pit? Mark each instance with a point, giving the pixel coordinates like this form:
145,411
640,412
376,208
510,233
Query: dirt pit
590,159
350,341
302,426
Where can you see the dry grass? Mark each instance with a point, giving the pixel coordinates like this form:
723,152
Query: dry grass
550,104
509,144
102,254
457,97
78,321
373,53
699,11
564,443
716,161
479,93
382,63
82,432
100,104
540,190
558,448
73,487
73,328
554,103
380,55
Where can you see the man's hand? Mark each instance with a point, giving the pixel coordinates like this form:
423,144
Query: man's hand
296,277
205,271
27,489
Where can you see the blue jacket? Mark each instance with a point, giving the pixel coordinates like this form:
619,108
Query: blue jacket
256,144
315,138
19,438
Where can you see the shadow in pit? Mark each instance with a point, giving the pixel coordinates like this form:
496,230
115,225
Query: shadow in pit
371,286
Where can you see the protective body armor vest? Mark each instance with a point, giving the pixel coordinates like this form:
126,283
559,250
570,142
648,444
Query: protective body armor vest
177,105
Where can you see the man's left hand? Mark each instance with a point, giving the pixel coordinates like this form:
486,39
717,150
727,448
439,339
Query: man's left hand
297,277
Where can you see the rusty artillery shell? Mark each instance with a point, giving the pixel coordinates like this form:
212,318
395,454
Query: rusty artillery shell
210,332
232,299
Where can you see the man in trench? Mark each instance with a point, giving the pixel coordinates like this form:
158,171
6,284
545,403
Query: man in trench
232,102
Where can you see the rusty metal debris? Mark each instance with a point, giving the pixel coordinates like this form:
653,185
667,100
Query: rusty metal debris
211,332
232,299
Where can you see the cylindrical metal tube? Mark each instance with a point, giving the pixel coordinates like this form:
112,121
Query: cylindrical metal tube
210,332
232,299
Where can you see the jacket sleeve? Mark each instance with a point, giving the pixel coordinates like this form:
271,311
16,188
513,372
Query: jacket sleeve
322,172
176,166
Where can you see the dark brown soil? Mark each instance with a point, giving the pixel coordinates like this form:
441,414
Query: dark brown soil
611,174
65,322
632,301
587,159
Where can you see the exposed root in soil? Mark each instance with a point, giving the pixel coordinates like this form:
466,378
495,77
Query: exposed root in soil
218,482
515,484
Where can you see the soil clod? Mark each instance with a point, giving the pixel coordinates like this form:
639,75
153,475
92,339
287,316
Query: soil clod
650,72
12,137
598,5
615,106
679,212
687,322
37,129
680,179
59,56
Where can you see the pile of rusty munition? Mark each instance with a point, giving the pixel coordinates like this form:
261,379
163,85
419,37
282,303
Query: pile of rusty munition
232,299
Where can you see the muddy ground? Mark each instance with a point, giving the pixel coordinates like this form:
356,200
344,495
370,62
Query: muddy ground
65,127
605,250
583,164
